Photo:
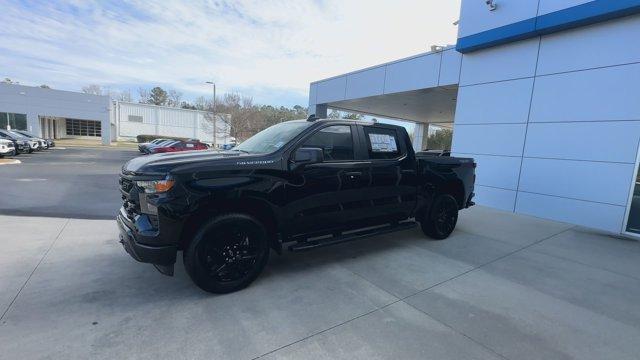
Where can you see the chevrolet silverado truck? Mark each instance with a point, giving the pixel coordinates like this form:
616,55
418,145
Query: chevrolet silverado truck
297,185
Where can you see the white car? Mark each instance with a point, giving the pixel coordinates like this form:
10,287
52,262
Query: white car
42,143
7,148
34,142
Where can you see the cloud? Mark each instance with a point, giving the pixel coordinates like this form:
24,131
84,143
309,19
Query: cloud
269,49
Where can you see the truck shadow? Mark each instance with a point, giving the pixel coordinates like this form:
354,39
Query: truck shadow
115,278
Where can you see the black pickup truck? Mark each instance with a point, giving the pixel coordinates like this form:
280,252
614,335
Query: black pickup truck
299,184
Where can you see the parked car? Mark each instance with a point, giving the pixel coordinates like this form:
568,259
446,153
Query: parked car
143,146
176,146
35,144
21,143
7,148
44,143
304,184
147,149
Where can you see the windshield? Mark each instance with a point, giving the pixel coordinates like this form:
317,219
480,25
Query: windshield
272,138
11,135
17,134
20,133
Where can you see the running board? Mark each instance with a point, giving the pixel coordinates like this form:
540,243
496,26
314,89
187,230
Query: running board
351,236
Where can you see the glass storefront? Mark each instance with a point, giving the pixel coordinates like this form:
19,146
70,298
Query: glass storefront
77,127
633,224
13,121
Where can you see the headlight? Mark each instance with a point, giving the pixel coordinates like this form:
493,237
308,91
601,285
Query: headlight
156,186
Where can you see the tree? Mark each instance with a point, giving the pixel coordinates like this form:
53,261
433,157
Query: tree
9,81
353,116
440,140
143,96
175,98
334,114
93,89
158,96
121,95
45,86
188,105
238,115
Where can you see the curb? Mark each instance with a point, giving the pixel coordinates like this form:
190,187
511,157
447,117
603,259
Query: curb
9,161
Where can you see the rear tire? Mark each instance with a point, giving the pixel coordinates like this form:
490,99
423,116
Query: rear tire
440,221
227,253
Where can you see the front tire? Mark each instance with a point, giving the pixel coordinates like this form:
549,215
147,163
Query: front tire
227,254
440,221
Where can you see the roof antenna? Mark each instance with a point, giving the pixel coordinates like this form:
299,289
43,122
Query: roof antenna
312,117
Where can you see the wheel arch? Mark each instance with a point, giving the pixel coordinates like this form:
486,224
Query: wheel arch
258,209
454,188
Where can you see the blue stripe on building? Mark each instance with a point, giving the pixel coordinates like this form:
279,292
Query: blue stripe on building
575,16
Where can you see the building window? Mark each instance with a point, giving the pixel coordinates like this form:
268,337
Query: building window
77,127
135,118
633,224
13,121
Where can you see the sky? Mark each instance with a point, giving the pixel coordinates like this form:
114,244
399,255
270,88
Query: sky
268,50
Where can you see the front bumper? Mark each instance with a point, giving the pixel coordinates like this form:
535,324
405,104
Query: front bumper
157,255
7,151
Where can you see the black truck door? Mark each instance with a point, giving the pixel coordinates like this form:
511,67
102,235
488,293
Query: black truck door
393,187
330,194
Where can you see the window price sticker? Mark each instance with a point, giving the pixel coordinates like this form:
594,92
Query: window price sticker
382,143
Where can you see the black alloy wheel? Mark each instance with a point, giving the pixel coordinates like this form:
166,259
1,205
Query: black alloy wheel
227,254
441,220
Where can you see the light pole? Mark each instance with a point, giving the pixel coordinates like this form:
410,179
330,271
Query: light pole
213,112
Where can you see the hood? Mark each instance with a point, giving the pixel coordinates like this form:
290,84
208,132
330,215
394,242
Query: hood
167,162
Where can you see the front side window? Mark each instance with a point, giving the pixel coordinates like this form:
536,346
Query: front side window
335,141
382,143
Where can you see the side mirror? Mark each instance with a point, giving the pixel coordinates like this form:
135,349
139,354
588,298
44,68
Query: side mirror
305,156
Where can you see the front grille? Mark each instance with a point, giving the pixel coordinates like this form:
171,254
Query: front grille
126,185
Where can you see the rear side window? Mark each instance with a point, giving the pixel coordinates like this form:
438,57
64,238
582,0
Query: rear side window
335,141
382,143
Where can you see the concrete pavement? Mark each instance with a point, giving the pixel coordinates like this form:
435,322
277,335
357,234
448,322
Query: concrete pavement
503,286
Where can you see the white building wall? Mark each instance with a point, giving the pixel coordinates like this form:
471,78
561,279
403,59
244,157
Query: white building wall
554,121
166,121
475,17
36,102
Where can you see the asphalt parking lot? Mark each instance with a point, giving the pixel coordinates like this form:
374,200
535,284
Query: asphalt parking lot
503,286
64,182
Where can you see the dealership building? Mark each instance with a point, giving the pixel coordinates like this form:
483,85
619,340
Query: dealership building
58,114
544,94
